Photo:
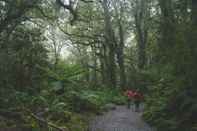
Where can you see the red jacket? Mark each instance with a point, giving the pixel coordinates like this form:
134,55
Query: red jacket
138,96
129,94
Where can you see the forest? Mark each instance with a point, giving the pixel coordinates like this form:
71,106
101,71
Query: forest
64,62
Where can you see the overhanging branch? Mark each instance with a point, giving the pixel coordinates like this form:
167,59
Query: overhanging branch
69,7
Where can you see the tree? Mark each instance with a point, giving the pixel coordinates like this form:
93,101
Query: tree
56,43
166,43
141,25
110,44
119,11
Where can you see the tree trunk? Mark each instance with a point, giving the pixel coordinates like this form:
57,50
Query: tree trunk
167,27
120,56
141,31
192,42
110,44
103,62
194,12
94,69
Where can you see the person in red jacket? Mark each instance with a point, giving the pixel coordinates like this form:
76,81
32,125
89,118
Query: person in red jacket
129,94
138,97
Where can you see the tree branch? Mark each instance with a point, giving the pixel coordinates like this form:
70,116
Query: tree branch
87,1
45,122
69,7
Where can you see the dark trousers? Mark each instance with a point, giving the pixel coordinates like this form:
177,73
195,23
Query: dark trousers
128,103
137,105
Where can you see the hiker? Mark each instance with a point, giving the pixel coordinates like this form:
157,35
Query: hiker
138,97
129,94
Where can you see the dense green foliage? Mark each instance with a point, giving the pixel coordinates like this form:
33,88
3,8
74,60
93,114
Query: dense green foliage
62,61
171,104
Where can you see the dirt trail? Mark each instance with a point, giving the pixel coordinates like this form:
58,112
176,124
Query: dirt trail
121,119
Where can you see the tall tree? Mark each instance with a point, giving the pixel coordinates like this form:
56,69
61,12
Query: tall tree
119,7
110,44
142,14
167,27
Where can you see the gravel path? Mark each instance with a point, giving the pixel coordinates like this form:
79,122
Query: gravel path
121,119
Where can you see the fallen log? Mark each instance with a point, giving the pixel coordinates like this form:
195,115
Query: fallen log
17,116
46,122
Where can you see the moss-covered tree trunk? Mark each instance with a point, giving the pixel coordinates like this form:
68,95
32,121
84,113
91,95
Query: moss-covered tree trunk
167,32
110,44
120,56
141,26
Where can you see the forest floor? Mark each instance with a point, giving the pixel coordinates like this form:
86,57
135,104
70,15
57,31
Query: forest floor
120,119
